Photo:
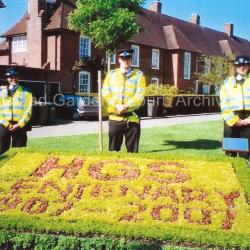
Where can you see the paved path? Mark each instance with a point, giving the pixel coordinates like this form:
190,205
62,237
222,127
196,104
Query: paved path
67,128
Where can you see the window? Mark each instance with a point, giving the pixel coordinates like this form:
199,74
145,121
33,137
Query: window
136,56
155,59
206,89
207,66
112,58
155,81
187,65
85,47
84,82
19,44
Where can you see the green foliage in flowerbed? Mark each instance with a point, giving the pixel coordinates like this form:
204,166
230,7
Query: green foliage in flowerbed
160,90
17,241
157,199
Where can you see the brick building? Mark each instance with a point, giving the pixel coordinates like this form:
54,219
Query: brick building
167,50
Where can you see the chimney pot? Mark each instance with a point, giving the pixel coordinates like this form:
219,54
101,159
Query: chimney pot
156,6
229,29
195,19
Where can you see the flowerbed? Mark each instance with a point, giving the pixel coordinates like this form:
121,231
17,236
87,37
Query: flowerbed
168,200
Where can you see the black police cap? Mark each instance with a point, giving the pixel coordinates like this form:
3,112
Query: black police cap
241,60
12,72
125,53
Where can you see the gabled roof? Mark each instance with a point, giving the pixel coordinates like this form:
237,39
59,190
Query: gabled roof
171,33
159,31
18,28
60,18
57,21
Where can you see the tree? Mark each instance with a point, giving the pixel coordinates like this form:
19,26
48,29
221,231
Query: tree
106,22
219,69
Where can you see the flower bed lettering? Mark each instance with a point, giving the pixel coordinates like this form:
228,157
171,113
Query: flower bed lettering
128,192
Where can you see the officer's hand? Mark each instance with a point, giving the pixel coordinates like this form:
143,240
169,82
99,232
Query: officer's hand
121,108
14,128
239,123
246,122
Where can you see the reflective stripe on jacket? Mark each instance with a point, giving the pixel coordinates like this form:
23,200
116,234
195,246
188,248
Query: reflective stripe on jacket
234,96
17,108
118,89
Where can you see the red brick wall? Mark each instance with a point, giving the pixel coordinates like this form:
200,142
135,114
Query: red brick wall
145,63
4,59
69,49
36,44
19,58
184,84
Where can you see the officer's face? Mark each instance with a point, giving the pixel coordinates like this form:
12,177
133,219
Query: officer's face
13,79
242,69
125,62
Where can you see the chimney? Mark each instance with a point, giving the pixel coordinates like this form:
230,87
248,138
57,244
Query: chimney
229,29
156,6
195,19
35,37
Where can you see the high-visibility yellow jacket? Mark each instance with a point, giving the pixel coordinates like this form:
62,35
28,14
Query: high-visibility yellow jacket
17,108
234,96
129,90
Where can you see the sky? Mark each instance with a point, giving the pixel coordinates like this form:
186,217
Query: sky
214,13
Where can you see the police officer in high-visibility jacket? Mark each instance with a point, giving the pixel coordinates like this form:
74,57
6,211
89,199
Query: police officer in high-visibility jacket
15,112
235,102
123,93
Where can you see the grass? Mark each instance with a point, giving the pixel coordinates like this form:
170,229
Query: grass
190,139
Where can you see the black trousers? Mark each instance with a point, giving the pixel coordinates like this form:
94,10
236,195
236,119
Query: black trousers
237,132
119,129
18,139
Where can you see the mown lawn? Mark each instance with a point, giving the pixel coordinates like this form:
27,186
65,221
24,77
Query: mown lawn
202,138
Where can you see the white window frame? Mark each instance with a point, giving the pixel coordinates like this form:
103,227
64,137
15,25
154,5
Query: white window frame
81,49
207,66
187,65
155,81
136,56
155,59
112,58
88,87
19,44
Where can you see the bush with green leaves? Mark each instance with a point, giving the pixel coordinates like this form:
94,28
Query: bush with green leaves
160,90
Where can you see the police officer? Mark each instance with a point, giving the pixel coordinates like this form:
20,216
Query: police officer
123,93
235,102
15,112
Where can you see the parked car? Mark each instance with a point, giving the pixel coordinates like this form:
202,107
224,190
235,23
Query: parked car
74,106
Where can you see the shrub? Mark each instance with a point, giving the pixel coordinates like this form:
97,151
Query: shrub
160,90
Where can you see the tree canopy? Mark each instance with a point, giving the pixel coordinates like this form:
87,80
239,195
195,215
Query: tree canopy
106,22
219,69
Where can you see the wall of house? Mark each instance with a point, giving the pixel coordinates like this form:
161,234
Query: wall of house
54,51
145,62
171,75
19,58
69,49
186,84
4,59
